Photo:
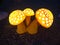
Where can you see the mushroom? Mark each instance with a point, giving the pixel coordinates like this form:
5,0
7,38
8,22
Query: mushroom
32,27
16,18
44,17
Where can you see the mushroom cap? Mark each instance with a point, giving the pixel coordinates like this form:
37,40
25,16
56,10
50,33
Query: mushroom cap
28,12
44,17
16,17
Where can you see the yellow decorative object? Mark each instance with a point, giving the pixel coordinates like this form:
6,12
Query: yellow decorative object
28,12
44,17
32,28
16,17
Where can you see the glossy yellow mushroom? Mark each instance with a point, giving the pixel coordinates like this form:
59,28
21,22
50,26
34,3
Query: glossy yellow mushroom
28,12
16,18
44,17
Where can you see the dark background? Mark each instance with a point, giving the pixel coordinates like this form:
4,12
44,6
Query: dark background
50,36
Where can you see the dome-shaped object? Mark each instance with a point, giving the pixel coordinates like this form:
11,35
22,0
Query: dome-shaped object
44,17
16,17
28,12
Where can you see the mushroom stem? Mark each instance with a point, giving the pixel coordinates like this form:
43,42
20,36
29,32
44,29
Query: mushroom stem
28,20
21,29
